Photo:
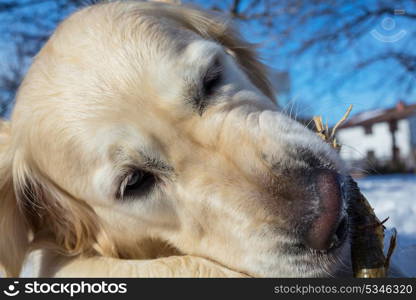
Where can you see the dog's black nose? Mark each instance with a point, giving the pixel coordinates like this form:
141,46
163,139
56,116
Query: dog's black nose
328,228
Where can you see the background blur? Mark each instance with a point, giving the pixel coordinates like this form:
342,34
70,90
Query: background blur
323,56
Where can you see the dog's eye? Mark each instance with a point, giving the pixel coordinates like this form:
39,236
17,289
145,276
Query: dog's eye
212,79
137,183
209,83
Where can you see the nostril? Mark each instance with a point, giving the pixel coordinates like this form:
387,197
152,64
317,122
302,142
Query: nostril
324,228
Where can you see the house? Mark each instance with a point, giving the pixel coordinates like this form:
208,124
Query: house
382,140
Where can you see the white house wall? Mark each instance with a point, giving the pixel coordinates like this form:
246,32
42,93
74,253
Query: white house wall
356,143
403,137
412,126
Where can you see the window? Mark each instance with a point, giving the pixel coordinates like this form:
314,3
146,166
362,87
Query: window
368,129
371,155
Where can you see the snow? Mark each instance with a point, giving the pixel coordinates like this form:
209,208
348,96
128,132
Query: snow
394,196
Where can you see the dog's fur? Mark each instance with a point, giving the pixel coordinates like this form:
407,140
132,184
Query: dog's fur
118,88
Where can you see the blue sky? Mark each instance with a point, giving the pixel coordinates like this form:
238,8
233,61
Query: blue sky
329,86
318,88
332,89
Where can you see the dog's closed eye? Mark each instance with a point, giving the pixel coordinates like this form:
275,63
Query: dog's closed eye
211,80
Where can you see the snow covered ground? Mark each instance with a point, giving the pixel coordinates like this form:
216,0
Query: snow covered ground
394,196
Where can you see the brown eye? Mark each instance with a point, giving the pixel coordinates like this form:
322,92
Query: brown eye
137,183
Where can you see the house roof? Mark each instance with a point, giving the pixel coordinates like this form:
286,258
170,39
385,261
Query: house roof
368,118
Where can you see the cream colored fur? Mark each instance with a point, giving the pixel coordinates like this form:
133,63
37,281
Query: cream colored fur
117,87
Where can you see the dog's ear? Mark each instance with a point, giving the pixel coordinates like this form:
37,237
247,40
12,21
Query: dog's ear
14,232
36,213
63,223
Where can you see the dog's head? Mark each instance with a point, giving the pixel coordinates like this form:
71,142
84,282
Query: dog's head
141,123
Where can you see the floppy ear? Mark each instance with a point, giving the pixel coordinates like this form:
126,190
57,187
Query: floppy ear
61,222
14,233
36,213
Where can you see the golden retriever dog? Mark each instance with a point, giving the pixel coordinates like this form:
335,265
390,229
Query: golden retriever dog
145,141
